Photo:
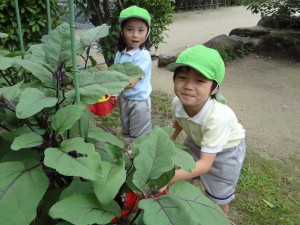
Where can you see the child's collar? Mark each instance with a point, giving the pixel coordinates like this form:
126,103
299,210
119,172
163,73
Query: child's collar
131,51
199,116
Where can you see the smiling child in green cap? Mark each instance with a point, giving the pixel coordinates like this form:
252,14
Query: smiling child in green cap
215,138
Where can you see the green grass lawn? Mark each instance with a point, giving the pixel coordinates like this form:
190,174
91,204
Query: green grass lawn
268,192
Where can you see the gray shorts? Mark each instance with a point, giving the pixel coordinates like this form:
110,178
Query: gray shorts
220,181
135,117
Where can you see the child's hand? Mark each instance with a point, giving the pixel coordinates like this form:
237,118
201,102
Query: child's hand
163,190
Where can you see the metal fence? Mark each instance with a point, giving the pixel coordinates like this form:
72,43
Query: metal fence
202,4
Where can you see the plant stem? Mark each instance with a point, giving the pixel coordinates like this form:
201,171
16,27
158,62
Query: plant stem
5,128
136,216
5,78
6,107
43,124
58,80
87,56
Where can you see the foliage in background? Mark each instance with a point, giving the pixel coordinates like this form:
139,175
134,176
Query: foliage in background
33,19
228,52
282,13
99,12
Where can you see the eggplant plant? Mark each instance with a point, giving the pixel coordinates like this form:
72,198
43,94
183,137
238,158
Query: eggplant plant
50,174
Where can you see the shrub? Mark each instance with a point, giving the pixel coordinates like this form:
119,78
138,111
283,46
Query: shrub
283,13
33,20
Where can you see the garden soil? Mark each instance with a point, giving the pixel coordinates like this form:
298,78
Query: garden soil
264,92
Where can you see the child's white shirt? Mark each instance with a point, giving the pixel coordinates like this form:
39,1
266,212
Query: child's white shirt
214,128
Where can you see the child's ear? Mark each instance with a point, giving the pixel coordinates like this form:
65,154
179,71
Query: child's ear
215,90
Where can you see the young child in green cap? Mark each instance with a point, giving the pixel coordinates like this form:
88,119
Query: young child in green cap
215,138
133,46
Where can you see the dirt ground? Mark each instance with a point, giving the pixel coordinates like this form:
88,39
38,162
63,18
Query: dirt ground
263,92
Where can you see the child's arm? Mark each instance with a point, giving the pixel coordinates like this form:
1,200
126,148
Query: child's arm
202,166
177,131
132,83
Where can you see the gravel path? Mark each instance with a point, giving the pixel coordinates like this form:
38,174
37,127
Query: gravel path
263,92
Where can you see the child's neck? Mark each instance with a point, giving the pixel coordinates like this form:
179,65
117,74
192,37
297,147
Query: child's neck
194,110
128,49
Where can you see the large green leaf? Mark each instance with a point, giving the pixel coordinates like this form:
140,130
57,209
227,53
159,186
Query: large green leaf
114,152
106,78
129,69
183,159
94,34
38,71
66,117
33,101
9,117
198,205
113,177
27,140
129,182
12,156
89,94
137,141
154,158
5,149
99,134
84,209
101,150
10,136
12,92
136,144
77,187
88,121
6,62
22,186
36,84
58,46
37,53
162,181
94,84
165,210
86,164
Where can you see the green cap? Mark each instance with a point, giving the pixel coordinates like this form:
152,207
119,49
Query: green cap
205,60
135,11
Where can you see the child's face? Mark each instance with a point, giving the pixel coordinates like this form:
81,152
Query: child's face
135,32
193,89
